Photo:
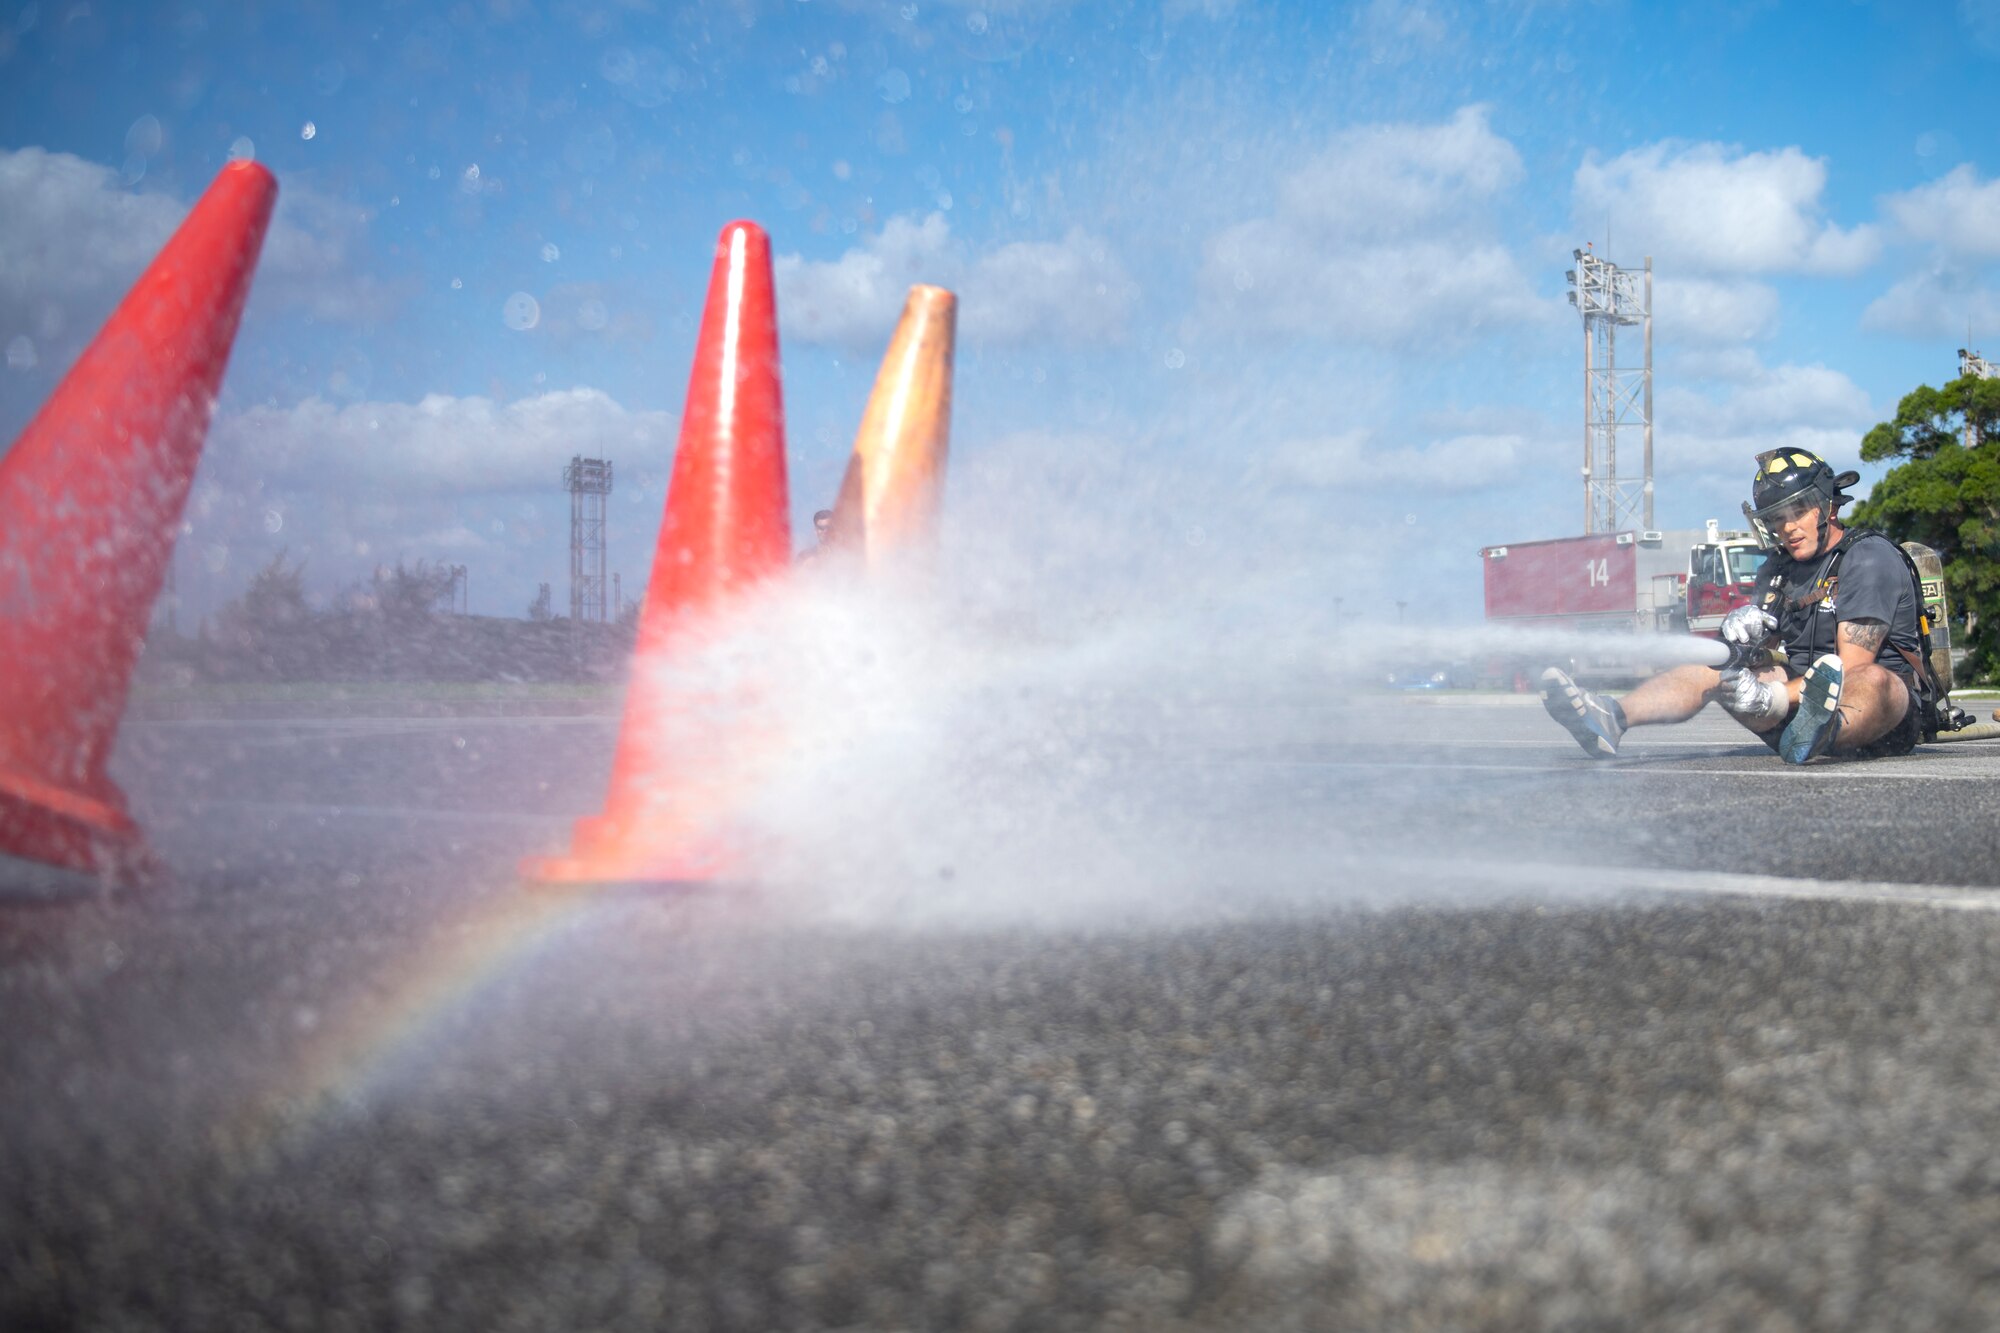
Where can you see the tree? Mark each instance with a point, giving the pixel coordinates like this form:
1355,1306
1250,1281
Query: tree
1947,496
275,599
406,594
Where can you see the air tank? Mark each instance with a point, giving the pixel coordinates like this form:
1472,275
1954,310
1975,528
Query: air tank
1930,578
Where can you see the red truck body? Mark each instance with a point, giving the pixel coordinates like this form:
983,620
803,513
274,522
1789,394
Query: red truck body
1613,583
1608,581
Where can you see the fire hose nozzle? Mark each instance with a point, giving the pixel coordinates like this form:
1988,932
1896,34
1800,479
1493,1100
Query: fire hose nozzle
1748,657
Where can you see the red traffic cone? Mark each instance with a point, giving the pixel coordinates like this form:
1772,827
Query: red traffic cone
90,498
680,767
894,485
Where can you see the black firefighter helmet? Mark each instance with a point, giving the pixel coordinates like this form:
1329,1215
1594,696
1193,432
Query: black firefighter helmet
1790,482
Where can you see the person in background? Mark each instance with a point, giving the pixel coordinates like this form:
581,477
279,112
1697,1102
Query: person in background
822,531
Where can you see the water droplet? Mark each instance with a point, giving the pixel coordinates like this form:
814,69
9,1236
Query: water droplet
894,86
472,172
909,13
328,76
395,200
274,522
242,150
521,312
308,130
145,136
962,103
618,65
1176,358
21,353
457,283
975,22
643,77
435,173
1409,518
134,169
592,315
551,253
944,200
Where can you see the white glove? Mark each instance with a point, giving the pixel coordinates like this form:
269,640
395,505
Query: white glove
1748,625
1746,696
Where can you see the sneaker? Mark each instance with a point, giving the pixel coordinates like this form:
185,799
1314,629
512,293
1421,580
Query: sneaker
1596,723
1811,731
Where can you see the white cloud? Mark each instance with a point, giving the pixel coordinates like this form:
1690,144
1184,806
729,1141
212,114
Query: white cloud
1379,239
1733,365
1958,213
1377,181
1952,285
70,233
1369,293
1937,301
1809,406
1707,311
1355,460
73,238
1072,290
1395,31
470,480
1715,209
438,446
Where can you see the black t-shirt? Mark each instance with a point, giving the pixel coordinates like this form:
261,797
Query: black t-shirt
1811,597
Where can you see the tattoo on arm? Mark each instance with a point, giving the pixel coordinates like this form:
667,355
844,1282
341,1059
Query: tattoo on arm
1864,633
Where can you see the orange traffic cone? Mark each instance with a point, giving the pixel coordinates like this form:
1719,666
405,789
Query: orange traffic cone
894,485
90,498
676,777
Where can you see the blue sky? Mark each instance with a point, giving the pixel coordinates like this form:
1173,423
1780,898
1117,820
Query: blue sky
1285,260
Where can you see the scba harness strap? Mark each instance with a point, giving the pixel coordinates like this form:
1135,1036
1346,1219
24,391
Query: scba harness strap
1929,691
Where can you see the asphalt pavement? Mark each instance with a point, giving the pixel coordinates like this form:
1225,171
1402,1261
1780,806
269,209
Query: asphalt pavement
1398,1013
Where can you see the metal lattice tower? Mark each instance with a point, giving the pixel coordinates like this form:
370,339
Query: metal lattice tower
588,481
1972,363
1614,395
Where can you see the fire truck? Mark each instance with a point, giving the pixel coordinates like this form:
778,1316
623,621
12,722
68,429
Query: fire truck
1721,568
1673,582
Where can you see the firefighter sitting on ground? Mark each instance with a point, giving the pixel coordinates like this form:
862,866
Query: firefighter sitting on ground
1840,612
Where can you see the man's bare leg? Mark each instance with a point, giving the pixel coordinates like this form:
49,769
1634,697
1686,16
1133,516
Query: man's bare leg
1598,721
1873,699
1677,695
1671,696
